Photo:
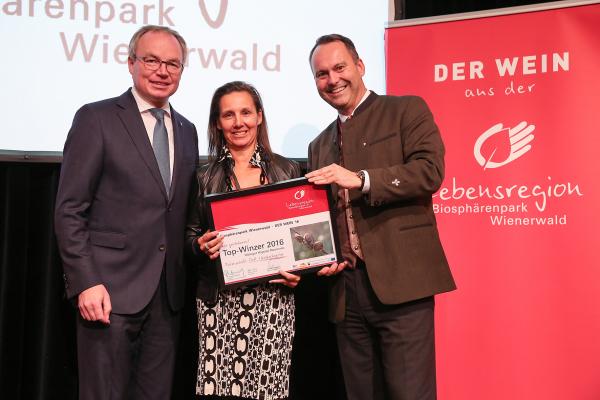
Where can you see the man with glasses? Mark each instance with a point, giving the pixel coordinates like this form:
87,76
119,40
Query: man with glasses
127,168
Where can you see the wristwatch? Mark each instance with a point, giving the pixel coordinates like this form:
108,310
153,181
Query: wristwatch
361,175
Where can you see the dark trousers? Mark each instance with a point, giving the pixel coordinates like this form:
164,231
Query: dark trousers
133,357
387,351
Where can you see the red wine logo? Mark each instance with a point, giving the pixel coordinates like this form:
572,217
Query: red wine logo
218,21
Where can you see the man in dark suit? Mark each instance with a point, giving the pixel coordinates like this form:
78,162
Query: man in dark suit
384,157
128,163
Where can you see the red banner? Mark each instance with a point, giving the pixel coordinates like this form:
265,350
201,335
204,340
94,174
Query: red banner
516,99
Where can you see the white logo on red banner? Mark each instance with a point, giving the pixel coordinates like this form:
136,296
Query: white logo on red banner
499,146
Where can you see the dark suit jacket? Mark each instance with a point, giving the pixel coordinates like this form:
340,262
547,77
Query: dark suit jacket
397,142
114,221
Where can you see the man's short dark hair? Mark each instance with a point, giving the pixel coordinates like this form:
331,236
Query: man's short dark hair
335,37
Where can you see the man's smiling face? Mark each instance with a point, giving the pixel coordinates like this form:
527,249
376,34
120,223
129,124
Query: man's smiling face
338,76
156,86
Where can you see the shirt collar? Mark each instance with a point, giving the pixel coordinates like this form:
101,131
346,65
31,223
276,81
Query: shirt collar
143,105
343,118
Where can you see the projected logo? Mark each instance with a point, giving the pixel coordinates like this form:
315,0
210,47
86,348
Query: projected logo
499,146
218,21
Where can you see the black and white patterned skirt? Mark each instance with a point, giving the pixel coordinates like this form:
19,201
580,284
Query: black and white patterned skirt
246,343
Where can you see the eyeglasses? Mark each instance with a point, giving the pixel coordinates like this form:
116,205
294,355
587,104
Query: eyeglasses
153,64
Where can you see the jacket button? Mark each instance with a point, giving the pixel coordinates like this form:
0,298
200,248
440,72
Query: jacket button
162,247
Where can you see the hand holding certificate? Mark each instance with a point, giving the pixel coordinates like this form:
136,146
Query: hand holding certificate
286,226
210,244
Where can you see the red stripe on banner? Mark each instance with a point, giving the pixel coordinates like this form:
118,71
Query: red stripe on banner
516,100
270,206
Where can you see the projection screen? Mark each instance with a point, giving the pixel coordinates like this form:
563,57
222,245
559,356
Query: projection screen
61,54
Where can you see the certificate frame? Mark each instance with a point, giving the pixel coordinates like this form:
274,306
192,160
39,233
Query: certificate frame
289,225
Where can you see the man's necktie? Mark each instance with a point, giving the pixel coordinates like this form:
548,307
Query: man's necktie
160,143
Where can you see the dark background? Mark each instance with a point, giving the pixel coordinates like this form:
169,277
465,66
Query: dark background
37,329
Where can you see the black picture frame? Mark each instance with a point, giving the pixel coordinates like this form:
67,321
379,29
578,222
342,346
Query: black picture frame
249,195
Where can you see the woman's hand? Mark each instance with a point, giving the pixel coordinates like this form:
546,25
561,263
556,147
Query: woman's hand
289,280
210,244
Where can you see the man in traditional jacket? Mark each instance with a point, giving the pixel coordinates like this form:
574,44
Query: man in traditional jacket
384,157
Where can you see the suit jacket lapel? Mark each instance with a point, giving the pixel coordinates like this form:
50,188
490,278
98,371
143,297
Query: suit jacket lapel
178,150
132,121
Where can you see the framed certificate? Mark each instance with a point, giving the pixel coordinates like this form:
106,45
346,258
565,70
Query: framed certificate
282,226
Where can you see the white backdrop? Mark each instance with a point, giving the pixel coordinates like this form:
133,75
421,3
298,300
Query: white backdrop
60,54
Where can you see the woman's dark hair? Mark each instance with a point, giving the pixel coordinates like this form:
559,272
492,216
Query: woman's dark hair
216,139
